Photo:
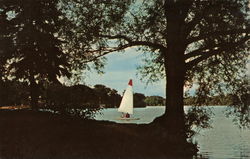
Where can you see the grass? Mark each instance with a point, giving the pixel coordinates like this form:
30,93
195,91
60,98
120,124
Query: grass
26,134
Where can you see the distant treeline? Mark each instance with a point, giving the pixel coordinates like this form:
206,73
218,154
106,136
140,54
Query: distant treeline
155,101
213,101
58,95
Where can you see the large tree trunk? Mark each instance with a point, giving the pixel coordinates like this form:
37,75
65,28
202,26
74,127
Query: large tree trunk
33,93
174,113
174,119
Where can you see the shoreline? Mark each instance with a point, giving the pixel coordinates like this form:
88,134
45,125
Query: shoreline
29,134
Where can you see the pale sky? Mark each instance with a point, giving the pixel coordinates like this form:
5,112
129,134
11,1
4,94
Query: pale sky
120,67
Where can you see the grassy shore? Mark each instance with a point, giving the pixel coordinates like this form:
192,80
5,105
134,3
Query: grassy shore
26,134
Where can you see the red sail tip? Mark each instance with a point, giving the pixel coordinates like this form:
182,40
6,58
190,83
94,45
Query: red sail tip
130,82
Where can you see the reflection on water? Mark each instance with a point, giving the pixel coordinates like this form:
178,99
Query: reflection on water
224,141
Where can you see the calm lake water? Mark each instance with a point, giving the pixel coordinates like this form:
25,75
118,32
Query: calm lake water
224,140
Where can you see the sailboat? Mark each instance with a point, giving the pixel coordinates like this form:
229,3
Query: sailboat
127,104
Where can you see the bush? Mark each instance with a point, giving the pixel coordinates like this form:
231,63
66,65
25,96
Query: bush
78,100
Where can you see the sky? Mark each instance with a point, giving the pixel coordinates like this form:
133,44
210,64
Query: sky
120,67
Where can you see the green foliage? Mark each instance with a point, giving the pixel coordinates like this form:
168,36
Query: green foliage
153,68
87,18
69,96
155,101
36,49
13,93
209,40
39,43
35,54
107,97
240,107
78,100
210,101
202,42
139,100
197,118
214,35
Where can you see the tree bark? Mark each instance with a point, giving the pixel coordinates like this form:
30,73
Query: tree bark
174,113
33,93
174,119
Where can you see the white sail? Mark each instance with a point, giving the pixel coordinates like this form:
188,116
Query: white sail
126,105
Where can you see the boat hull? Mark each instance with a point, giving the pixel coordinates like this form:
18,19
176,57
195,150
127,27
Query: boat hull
127,119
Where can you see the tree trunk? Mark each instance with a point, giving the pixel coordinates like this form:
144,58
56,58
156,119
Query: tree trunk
174,113
33,93
174,119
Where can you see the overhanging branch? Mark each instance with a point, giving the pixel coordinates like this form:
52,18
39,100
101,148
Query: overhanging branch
217,33
135,42
206,54
200,51
189,26
103,52
117,37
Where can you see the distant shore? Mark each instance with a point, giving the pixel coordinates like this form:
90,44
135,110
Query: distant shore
19,107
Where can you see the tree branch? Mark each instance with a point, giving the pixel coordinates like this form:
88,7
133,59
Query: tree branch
217,33
136,42
117,37
206,54
130,43
200,51
194,53
150,44
193,23
104,51
196,20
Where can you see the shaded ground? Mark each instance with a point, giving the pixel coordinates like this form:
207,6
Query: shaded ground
26,134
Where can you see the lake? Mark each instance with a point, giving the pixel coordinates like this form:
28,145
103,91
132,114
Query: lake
224,140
